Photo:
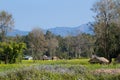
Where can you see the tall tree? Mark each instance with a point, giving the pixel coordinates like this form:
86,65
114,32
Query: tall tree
52,43
52,46
62,48
6,24
105,16
37,43
84,45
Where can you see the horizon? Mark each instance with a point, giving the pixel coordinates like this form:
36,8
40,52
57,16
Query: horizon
48,14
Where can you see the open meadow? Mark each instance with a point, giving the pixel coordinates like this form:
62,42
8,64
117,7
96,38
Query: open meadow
75,69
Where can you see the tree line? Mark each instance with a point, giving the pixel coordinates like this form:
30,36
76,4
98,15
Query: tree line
104,41
40,44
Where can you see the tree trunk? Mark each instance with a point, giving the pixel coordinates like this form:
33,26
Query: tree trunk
6,59
110,60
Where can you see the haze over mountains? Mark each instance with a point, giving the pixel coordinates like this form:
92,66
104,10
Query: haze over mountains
63,31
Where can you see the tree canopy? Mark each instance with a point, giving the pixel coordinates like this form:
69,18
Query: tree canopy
11,52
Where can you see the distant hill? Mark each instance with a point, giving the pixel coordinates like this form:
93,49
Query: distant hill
63,31
17,32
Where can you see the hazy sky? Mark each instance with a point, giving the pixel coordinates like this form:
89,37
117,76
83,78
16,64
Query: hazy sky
48,13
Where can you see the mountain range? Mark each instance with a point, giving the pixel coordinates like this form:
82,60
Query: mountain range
63,31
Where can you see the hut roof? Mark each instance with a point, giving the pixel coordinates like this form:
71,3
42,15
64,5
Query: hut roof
98,60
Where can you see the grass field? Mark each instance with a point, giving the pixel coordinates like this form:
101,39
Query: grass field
76,69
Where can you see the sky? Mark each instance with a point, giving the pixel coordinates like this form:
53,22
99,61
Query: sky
45,14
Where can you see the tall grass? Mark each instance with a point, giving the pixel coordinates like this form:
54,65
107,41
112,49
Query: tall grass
76,69
84,62
58,72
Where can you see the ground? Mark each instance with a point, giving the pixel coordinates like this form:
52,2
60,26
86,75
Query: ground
106,71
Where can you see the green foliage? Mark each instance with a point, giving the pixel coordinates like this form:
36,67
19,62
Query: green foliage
71,47
11,52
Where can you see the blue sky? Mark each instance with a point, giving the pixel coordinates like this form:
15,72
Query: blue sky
48,13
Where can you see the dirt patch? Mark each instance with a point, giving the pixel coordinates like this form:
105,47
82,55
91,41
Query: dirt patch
107,71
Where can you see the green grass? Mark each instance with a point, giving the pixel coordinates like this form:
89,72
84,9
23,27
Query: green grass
84,62
74,69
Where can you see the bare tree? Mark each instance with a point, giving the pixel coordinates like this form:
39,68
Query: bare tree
6,24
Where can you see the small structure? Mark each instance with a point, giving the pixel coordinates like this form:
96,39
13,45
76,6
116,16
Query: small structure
100,60
55,58
46,57
28,58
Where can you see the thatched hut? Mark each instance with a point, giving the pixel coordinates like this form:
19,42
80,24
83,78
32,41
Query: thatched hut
100,60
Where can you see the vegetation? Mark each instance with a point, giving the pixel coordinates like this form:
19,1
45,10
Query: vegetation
106,28
104,41
37,43
61,69
6,24
11,52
